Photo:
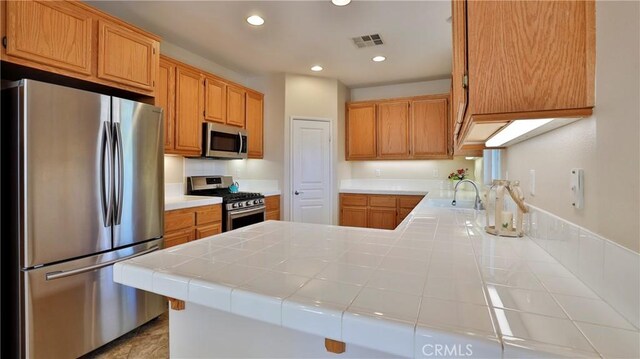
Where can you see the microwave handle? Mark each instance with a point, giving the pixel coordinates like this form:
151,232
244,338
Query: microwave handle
240,149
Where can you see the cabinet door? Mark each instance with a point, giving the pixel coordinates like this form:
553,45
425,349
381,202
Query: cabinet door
382,218
208,214
207,231
353,216
459,64
165,98
127,57
545,61
215,100
361,132
235,106
188,111
52,33
273,215
176,238
255,124
179,219
429,128
393,129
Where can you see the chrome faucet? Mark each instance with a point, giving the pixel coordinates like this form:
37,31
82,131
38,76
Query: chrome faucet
478,205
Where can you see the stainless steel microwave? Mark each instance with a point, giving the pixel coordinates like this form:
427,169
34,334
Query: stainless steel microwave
221,141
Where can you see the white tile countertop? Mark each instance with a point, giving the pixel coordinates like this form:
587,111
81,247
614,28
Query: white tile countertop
178,202
436,279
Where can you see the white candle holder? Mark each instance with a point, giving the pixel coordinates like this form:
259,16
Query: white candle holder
500,221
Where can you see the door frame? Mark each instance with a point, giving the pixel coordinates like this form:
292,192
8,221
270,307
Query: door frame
291,162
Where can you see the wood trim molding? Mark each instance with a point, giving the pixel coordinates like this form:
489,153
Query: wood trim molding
334,346
176,304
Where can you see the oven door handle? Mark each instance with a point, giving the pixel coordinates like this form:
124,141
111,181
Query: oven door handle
250,210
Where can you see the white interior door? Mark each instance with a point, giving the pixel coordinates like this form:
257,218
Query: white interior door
311,183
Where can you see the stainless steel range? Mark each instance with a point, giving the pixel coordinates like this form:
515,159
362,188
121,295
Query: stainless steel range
239,209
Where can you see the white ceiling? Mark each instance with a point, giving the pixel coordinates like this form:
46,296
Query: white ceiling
299,34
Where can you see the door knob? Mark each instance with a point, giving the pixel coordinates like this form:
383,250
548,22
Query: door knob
297,193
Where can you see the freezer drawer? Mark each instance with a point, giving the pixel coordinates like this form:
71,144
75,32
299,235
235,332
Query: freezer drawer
71,309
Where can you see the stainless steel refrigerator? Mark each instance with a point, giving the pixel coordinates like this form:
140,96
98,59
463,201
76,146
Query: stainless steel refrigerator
83,188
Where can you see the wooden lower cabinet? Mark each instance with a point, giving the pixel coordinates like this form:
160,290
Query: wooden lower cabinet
178,237
382,218
210,230
272,204
353,216
188,224
375,211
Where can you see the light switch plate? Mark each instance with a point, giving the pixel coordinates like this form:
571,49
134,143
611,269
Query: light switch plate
577,188
378,172
435,173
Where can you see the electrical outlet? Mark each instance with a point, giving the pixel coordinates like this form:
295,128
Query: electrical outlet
435,173
532,182
378,172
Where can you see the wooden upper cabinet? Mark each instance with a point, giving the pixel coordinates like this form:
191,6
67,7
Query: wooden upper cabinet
524,60
361,131
236,106
215,103
127,57
429,127
51,33
188,111
255,124
165,98
393,129
530,55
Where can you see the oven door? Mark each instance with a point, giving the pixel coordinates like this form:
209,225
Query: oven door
245,217
222,141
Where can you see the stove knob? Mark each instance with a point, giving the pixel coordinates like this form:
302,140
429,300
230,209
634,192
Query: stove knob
240,204
235,205
248,203
256,201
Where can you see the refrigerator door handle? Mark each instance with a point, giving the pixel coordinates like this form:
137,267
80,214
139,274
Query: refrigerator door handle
107,199
63,274
118,141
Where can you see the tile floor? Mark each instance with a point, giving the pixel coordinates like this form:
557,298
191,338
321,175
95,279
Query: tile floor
150,341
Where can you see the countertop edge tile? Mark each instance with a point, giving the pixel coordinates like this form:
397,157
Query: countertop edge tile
172,203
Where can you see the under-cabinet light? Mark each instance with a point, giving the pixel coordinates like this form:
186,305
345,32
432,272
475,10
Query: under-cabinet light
514,130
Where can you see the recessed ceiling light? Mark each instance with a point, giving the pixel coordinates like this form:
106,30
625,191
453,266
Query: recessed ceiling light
379,58
316,68
255,20
340,2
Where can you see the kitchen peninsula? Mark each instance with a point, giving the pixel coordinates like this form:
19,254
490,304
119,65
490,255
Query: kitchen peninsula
282,289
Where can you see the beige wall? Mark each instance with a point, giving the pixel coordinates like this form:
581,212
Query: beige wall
401,90
180,54
606,145
313,97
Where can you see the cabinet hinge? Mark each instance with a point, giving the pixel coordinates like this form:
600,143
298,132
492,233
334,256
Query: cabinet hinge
465,81
4,42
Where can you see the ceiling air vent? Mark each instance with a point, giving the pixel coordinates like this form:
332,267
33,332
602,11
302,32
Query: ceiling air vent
368,40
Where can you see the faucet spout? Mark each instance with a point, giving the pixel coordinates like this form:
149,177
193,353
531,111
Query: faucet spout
477,205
